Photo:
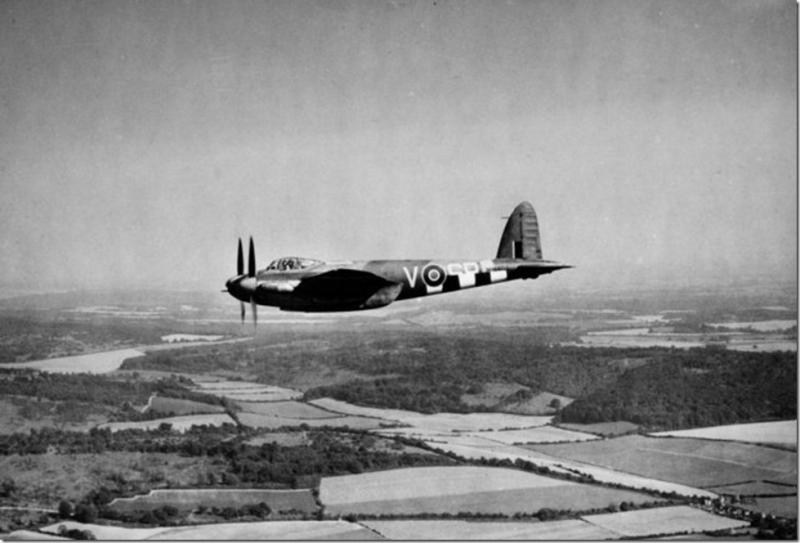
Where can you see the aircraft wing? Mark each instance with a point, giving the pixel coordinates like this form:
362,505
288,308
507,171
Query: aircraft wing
341,289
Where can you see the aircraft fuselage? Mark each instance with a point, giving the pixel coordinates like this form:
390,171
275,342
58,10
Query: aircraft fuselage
393,280
303,284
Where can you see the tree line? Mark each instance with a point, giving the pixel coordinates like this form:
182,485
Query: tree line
96,389
695,388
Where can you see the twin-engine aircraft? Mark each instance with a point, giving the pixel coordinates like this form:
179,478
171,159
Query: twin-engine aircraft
305,284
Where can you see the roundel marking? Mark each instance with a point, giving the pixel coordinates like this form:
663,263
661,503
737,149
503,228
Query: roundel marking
433,275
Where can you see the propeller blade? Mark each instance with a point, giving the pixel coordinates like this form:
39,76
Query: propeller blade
251,272
240,260
254,307
241,304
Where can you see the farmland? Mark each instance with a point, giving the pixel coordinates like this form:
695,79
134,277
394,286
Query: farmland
641,523
394,397
477,448
256,420
189,499
176,406
779,432
280,530
461,530
425,482
756,488
173,338
784,506
417,491
540,434
181,423
664,520
245,391
440,422
286,409
681,460
507,502
605,429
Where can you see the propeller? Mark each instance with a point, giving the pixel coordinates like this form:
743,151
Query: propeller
240,271
240,260
247,283
251,272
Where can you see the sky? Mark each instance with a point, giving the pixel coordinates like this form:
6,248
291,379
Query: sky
657,140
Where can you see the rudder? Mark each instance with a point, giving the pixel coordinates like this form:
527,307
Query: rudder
520,239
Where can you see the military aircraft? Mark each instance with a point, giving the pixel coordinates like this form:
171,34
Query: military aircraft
305,284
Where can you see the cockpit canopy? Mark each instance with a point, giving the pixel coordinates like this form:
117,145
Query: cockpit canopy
292,263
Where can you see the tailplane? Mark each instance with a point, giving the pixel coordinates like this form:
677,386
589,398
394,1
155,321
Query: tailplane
520,238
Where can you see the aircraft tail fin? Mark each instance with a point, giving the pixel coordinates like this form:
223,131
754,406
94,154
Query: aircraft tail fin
520,239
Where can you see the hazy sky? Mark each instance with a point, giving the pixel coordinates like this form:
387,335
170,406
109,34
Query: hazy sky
138,140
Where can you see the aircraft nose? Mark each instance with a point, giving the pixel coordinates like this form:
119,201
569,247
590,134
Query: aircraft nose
241,287
232,286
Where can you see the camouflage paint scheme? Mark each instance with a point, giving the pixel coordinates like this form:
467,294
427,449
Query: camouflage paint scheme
298,284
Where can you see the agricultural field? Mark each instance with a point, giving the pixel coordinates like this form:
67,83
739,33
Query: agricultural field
477,448
492,393
177,407
785,506
760,326
540,404
644,338
279,530
515,398
782,432
663,521
756,488
439,422
540,434
462,489
177,338
287,409
338,406
181,423
104,362
426,482
246,391
271,422
681,460
762,345
28,535
190,499
506,502
605,429
286,439
462,530
623,339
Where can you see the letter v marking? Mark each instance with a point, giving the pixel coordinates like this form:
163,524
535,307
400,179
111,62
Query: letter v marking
412,278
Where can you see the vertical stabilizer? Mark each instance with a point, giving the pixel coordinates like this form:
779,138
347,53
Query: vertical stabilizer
520,238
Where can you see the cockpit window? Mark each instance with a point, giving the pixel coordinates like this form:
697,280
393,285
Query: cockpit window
292,263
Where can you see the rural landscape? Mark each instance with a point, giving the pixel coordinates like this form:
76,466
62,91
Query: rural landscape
548,251
585,415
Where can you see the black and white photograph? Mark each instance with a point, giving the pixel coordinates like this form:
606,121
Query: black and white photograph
398,270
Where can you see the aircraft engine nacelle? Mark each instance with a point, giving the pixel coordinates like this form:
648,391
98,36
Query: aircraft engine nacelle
383,296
